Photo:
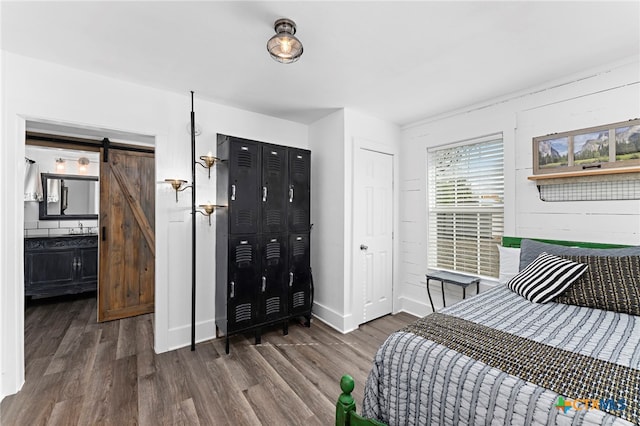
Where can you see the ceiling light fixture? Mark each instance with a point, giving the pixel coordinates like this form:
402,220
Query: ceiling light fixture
284,46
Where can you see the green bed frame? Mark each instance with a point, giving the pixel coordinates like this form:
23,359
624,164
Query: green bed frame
515,243
346,407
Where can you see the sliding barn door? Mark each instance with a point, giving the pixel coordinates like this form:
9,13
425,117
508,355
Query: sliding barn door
127,237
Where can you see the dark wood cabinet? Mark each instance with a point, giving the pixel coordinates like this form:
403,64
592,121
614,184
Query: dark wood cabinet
55,266
263,274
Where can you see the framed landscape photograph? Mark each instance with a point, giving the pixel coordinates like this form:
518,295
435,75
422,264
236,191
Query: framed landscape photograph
607,146
628,143
553,153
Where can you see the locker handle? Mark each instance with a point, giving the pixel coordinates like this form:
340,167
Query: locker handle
233,290
264,284
291,194
264,193
233,192
290,279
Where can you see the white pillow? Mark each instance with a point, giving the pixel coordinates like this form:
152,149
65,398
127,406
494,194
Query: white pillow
509,263
546,277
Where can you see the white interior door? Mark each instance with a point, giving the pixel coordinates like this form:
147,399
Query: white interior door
373,232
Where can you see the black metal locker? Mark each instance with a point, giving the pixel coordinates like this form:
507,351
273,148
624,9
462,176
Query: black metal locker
263,276
242,289
299,279
244,182
299,216
274,189
272,304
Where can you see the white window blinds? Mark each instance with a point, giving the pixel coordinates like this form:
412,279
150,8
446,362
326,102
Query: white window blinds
466,206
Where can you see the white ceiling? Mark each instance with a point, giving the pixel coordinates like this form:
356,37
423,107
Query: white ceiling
399,61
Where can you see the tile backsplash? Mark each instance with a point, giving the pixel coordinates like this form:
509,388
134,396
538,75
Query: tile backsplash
59,227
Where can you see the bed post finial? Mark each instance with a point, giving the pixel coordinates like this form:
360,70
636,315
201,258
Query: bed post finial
345,404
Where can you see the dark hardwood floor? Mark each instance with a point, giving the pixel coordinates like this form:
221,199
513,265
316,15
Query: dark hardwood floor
82,372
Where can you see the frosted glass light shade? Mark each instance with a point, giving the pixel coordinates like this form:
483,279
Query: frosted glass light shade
284,46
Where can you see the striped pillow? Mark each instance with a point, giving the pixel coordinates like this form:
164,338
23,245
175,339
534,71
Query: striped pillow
546,277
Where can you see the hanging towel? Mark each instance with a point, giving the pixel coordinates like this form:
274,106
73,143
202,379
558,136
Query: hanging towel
32,182
53,190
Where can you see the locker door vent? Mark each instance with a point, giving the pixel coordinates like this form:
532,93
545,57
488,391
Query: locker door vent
299,169
299,217
243,312
274,164
273,305
244,218
298,248
244,159
298,299
274,217
273,250
244,255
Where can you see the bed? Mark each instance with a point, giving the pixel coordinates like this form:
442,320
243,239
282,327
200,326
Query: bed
500,358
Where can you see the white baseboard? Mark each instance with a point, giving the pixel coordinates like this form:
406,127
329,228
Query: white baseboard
332,318
180,337
414,307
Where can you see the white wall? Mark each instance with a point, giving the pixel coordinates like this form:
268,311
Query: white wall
35,90
326,141
595,97
333,141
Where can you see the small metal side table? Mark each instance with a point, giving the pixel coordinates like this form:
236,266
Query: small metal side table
461,280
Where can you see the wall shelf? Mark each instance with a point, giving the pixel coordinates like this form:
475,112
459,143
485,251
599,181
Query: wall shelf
590,185
584,173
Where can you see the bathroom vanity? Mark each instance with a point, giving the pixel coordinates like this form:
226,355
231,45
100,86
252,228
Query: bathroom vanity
60,265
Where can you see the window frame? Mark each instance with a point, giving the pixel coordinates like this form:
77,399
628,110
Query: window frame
494,207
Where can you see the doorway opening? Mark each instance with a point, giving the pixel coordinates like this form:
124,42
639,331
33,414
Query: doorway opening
111,186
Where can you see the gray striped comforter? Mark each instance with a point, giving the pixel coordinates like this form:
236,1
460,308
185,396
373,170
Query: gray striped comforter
415,381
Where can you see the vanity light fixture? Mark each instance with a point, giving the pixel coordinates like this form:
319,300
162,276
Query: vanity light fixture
83,162
178,185
60,165
284,47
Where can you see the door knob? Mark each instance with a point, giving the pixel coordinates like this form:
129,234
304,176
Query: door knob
363,247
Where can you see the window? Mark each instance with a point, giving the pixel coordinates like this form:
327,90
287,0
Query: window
466,206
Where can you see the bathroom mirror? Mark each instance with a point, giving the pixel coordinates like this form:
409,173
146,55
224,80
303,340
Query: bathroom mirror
69,197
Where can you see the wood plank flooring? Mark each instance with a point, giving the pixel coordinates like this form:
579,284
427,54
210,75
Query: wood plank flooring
85,373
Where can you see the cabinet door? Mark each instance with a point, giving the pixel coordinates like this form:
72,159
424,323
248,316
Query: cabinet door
50,270
244,182
87,266
244,273
299,274
274,189
299,190
273,295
